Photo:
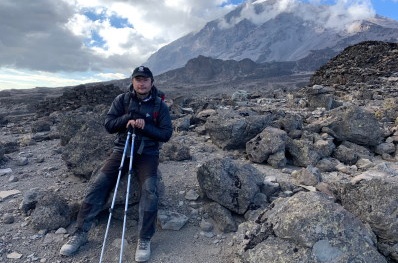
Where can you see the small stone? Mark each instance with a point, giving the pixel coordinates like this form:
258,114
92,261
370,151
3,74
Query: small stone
22,161
8,218
61,230
192,195
14,255
206,226
5,171
5,194
12,179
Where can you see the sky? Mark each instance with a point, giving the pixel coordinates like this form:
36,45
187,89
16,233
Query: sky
47,43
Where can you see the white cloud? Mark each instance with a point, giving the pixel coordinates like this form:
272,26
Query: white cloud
24,79
336,15
57,37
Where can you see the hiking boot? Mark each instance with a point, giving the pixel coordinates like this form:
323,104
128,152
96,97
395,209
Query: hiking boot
143,251
78,239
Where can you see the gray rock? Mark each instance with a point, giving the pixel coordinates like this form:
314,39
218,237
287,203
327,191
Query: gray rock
375,202
309,224
29,200
171,220
345,155
89,147
51,212
230,184
384,148
175,150
222,217
231,130
309,148
271,141
8,218
354,124
309,176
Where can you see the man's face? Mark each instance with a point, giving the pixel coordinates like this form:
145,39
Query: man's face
142,85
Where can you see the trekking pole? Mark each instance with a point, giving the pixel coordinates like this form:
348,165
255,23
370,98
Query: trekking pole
114,194
126,204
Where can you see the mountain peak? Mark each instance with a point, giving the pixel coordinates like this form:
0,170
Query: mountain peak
277,31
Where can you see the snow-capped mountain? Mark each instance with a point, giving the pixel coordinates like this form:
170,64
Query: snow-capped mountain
270,30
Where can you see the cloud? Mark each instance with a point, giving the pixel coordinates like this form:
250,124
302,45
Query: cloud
326,14
95,35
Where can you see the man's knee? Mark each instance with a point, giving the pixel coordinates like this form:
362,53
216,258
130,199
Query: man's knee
149,187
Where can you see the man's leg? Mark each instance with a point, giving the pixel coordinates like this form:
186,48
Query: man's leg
97,194
146,168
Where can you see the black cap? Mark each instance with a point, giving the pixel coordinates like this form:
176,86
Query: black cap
142,71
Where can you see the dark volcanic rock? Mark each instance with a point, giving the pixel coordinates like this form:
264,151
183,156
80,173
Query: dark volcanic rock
76,97
376,60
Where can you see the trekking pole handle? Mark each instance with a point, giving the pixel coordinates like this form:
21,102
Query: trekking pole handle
131,129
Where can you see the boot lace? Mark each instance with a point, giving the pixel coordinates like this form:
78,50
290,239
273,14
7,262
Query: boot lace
143,244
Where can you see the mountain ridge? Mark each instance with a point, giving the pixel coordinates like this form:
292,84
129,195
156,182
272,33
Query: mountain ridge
285,36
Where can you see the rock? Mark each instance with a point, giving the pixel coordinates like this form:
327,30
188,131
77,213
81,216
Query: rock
5,171
29,200
51,212
171,220
385,148
354,124
192,195
14,255
222,217
240,95
321,97
374,201
231,130
41,125
22,161
309,176
203,115
269,142
89,147
329,229
345,155
8,218
182,124
309,149
175,150
229,184
206,226
5,194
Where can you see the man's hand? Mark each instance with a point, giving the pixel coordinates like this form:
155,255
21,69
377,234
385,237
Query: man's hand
138,123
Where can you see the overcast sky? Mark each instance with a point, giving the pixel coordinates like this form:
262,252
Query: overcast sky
70,42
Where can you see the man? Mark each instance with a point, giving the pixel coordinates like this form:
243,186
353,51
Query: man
142,110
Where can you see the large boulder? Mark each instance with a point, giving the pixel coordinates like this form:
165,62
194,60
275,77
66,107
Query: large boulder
269,143
310,227
373,197
309,149
89,146
229,183
232,129
351,123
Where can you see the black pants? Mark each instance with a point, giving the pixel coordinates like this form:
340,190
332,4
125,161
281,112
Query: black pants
145,167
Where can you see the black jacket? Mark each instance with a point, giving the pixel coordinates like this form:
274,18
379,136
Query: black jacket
155,131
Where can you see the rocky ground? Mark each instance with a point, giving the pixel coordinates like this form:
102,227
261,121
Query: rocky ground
39,165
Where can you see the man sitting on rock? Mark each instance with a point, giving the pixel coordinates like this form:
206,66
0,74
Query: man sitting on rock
142,110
